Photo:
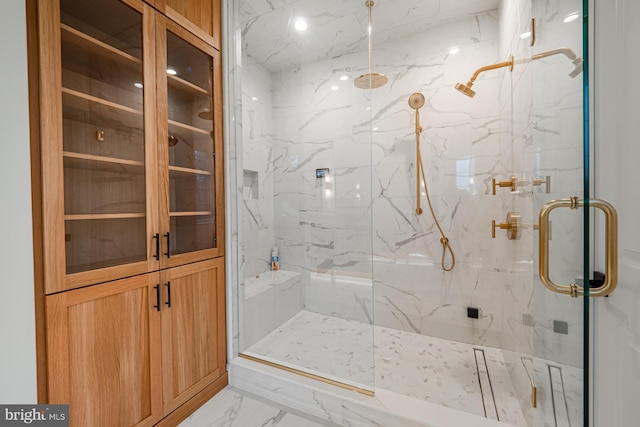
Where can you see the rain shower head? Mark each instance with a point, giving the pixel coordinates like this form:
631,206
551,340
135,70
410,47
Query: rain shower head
466,89
416,100
370,81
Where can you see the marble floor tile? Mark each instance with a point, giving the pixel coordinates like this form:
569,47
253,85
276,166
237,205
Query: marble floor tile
332,347
230,408
431,369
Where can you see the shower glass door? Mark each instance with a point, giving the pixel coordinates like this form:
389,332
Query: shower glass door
559,156
303,173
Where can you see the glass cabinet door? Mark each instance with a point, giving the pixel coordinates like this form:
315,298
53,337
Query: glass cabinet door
99,76
189,148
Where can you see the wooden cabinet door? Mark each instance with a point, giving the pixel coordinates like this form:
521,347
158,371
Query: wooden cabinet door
201,17
103,350
190,158
97,92
193,329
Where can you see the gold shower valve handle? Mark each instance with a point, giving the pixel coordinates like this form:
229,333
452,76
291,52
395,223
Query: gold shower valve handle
513,226
512,183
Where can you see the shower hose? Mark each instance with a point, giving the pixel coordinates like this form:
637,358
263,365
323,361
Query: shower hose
443,240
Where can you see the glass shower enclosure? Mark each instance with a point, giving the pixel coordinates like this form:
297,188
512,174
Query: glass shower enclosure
332,255
303,177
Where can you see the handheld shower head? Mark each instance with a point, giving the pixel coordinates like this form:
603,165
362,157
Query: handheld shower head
416,100
466,89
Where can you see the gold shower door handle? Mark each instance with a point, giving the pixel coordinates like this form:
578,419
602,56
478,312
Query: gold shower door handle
611,274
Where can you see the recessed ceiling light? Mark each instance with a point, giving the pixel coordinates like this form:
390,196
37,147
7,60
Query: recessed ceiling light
344,78
301,24
253,98
334,87
375,128
368,108
571,17
454,50
138,85
171,71
525,35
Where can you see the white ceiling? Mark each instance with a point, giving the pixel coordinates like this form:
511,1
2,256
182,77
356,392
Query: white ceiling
337,27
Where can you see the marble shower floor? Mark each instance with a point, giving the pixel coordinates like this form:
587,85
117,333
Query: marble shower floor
230,408
444,372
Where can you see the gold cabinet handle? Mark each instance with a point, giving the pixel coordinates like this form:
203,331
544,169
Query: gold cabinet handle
611,278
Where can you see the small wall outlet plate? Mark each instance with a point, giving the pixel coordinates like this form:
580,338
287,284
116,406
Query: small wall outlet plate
473,312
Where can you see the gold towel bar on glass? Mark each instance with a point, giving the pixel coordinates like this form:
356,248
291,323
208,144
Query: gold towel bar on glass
611,274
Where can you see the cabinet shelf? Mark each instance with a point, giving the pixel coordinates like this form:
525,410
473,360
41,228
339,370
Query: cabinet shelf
84,217
90,158
84,42
187,171
93,110
185,86
79,161
197,213
189,127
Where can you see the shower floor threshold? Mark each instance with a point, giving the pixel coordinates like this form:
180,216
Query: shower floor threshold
409,367
342,407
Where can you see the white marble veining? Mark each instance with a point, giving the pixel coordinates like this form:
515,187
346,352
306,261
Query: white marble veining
426,368
336,27
270,299
328,346
230,408
360,222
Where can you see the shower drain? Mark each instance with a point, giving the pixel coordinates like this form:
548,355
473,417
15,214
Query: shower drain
486,388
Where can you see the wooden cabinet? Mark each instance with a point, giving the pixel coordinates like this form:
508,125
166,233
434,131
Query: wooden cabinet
189,119
133,152
193,334
133,351
104,354
132,201
201,17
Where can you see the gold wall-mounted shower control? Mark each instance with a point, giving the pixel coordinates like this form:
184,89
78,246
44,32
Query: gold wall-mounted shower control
512,183
100,135
546,181
513,226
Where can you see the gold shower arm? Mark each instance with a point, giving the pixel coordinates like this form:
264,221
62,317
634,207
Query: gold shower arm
466,89
495,66
577,61
561,50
